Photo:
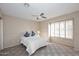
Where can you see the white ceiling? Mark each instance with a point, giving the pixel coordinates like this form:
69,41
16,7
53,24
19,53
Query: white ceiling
50,9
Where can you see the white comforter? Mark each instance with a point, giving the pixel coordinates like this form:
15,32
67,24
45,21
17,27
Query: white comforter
33,43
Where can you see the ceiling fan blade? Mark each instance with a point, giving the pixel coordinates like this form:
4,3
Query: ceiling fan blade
43,17
41,14
35,15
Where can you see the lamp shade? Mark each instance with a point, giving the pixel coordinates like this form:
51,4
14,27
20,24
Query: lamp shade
38,32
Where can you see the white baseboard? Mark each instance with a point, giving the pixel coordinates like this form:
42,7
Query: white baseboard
76,49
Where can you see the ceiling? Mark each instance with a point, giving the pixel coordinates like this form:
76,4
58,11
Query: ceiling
50,9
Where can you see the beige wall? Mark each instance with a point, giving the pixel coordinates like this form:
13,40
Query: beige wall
14,27
75,41
1,32
44,30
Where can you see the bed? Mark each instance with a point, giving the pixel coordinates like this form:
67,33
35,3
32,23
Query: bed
33,43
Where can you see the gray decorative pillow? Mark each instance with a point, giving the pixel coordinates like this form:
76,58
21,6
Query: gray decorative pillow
32,33
27,34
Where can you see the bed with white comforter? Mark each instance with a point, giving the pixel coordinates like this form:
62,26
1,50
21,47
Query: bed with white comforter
33,43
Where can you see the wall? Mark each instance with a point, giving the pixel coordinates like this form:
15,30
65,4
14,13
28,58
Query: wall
0,34
75,41
14,27
1,31
44,30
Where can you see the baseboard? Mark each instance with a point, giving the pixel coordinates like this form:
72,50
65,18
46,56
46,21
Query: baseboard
63,44
76,49
11,46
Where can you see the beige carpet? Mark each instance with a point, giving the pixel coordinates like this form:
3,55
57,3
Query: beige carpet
50,50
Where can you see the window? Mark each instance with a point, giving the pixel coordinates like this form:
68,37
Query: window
57,29
69,29
49,30
52,29
62,29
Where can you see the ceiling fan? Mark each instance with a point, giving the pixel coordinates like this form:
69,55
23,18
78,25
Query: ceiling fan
40,16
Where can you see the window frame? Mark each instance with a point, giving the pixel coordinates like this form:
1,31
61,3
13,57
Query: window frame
59,28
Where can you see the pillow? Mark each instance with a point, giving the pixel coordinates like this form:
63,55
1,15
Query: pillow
27,34
32,33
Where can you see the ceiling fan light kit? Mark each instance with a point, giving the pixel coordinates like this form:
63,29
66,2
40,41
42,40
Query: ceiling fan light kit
26,5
